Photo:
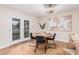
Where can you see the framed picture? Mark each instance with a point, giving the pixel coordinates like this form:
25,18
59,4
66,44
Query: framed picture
62,23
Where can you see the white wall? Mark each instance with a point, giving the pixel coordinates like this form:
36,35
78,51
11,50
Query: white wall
6,15
63,35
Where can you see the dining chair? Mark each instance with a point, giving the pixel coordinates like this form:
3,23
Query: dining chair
31,36
40,40
32,43
52,39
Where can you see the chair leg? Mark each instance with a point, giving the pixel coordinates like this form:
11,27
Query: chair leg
31,42
36,48
45,49
54,44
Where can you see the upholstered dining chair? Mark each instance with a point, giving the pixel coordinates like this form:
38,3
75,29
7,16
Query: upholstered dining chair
39,40
32,43
31,36
52,39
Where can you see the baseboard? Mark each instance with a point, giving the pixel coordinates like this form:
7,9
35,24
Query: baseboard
18,41
4,46
9,45
63,41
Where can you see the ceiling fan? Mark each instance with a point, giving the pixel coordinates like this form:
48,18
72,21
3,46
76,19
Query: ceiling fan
50,11
49,5
50,8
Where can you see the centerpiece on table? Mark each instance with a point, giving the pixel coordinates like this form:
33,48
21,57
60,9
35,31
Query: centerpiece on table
42,26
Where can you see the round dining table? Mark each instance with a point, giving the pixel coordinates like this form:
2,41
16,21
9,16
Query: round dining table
45,35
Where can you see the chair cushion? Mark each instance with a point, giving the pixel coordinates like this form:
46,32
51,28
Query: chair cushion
69,51
74,36
71,45
77,47
40,39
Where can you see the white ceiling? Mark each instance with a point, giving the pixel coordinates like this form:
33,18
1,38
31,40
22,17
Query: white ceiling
39,10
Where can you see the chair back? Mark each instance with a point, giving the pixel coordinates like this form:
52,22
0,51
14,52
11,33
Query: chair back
54,36
40,39
30,35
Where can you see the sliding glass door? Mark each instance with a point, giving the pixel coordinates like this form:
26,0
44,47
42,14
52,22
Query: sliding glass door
26,28
15,29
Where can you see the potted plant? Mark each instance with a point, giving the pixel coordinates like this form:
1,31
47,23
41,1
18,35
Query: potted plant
42,26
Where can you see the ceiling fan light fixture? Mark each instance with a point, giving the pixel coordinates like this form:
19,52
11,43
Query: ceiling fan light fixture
49,5
50,11
50,8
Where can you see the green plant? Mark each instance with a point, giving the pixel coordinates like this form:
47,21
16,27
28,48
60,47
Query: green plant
42,26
